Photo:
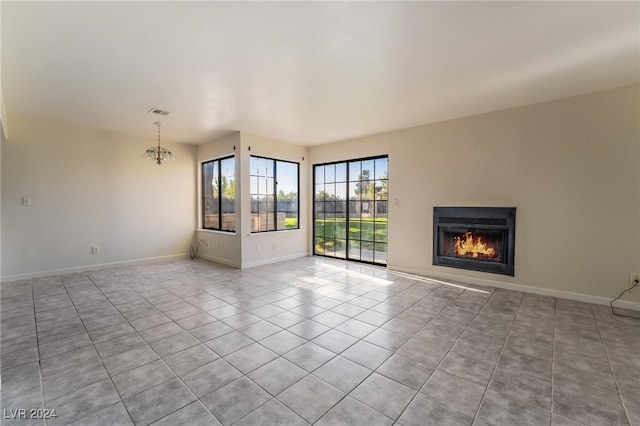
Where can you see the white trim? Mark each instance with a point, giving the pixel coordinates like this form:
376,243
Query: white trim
273,260
221,260
217,231
63,271
586,298
627,304
256,233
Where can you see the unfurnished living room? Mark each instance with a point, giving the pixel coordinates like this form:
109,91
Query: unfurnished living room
320,213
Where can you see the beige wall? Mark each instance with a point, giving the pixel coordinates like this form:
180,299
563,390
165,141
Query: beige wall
570,167
87,188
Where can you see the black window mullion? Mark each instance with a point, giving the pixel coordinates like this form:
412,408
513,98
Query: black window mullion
374,201
219,194
203,196
347,214
275,195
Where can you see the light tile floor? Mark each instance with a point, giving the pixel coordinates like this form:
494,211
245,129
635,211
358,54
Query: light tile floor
312,340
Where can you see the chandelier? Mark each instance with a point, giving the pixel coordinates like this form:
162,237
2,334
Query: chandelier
158,153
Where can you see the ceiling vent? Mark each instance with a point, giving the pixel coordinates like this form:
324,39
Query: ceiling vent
158,111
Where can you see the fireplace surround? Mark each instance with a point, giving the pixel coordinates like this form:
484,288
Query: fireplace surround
475,238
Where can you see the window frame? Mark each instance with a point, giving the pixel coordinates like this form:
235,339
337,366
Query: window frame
275,192
349,207
219,161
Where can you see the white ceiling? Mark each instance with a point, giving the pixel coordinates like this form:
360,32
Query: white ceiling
305,72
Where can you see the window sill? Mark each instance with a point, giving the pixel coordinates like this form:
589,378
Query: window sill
275,230
215,231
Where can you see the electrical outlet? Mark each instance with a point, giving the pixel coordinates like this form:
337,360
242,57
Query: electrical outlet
634,278
95,250
257,247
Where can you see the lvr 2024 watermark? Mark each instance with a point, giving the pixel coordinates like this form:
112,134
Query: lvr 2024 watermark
23,413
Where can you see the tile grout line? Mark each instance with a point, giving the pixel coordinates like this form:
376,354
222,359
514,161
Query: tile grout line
346,394
498,360
308,373
486,388
163,362
449,351
414,334
553,358
109,375
35,319
417,301
96,350
200,343
244,375
613,375
394,352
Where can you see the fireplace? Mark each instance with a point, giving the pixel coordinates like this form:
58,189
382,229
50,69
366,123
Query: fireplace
476,238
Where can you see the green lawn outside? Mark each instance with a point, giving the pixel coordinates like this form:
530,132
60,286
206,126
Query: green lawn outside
366,232
291,222
359,229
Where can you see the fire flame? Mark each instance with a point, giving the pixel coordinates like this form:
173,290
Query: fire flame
466,246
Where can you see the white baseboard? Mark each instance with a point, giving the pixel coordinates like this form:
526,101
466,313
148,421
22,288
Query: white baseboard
95,267
579,297
272,260
220,260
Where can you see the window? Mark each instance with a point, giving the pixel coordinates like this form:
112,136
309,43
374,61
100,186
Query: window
350,205
219,194
274,194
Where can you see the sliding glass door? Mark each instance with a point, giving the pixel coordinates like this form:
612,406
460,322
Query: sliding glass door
350,205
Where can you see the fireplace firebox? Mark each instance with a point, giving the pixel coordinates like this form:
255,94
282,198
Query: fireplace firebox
476,238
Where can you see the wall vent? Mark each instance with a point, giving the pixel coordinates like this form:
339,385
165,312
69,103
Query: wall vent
158,111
